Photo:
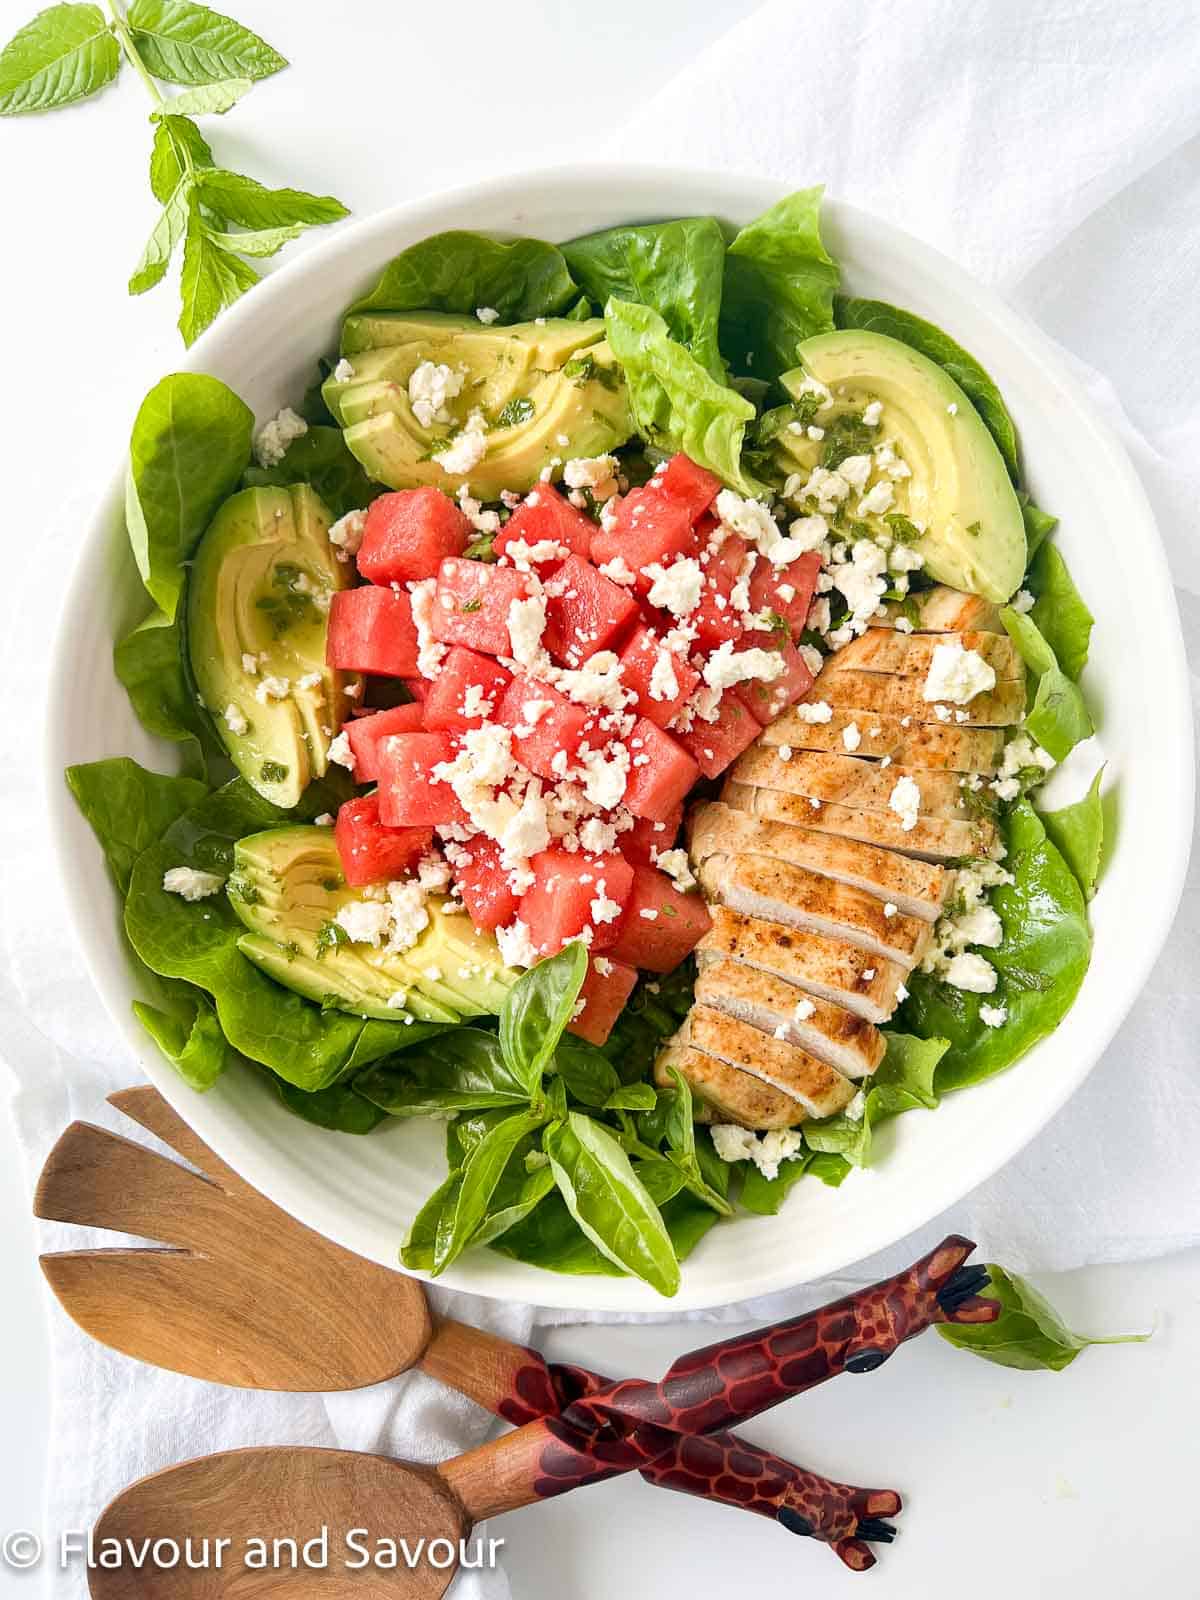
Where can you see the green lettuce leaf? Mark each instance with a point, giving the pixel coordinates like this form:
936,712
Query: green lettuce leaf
676,404
459,271
340,1107
1039,524
128,808
320,458
1077,831
189,1035
1059,718
903,1081
1040,964
1059,612
876,316
151,663
779,284
676,268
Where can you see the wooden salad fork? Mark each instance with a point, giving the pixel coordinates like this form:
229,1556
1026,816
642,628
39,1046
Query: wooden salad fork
247,1296
291,1493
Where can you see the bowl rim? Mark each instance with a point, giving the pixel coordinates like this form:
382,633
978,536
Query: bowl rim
602,1294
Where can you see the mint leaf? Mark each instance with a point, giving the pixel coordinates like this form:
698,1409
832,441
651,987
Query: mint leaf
211,280
65,54
160,247
264,242
211,99
251,205
176,143
185,43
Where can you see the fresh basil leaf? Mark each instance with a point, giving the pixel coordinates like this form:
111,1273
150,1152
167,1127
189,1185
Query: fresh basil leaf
460,271
903,1081
1046,937
1059,611
875,316
631,1097
210,99
551,1239
589,1076
764,1196
1029,1334
430,1224
462,1069
556,1100
1039,524
189,1036
179,149
164,237
249,204
779,284
679,1128
211,279
603,1194
128,808
536,1011
1077,832
506,1213
653,1012
340,1107
182,42
320,458
259,242
676,268
676,403
65,54
661,1179
484,1168
1059,719
189,447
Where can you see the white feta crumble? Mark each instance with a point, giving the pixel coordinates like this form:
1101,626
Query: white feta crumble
603,966
861,580
346,534
851,737
343,372
482,521
597,473
430,386
856,1110
397,1000
517,949
733,1143
877,499
606,774
675,864
813,711
272,688
856,470
957,675
430,653
340,751
676,588
971,973
905,801
487,315
273,438
1021,602
774,1148
467,449
664,685
619,571
597,837
235,719
364,921
727,666
249,664
190,883
890,908
603,908
808,533
993,1016
526,625
872,413
802,1010
952,408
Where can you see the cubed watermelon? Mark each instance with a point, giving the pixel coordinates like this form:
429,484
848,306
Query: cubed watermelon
605,990
372,630
418,688
409,795
545,515
574,892
646,528
585,612
364,734
766,700
713,745
638,661
660,772
484,884
471,604
682,480
660,926
466,691
543,723
407,534
371,851
648,838
787,591
716,619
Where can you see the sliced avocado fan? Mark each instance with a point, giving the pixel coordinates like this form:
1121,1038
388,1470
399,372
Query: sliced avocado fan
258,603
957,489
287,888
517,399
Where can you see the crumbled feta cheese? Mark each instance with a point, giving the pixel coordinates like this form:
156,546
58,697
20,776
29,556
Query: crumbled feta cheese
364,921
971,973
1021,602
340,751
603,908
993,1016
532,711
430,653
905,801
727,666
596,683
808,533
890,908
485,522
648,913
675,864
851,737
487,315
664,685
397,1000
430,386
467,449
598,838
273,438
877,499
603,966
802,1010
814,711
957,675
517,949
952,408
606,774
346,535
526,625
343,372
676,588
272,689
861,580
872,413
235,720
190,883
597,473
249,664
311,680
856,470
619,571
781,1144
733,1143
812,658
784,752
325,820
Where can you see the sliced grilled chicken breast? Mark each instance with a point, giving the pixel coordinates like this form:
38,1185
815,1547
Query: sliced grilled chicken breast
931,839
938,746
856,690
847,781
942,610
848,1042
911,654
815,1084
917,888
777,891
830,968
727,1092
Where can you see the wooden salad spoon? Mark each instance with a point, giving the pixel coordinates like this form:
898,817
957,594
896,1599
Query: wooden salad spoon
250,1297
243,1496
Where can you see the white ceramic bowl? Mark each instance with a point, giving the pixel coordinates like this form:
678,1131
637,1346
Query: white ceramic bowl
363,1192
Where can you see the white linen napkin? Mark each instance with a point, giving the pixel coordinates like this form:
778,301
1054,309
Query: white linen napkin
1051,149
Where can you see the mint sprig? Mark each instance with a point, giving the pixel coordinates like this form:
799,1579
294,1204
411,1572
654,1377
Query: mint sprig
218,220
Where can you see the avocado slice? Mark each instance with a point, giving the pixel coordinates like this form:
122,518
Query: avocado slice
546,392
258,599
287,888
959,490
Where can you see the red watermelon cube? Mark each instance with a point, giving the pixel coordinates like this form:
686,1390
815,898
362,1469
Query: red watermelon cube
713,745
605,990
372,630
409,794
660,926
692,486
638,661
471,604
545,515
716,619
407,534
646,529
543,723
647,838
765,701
572,893
364,734
466,691
585,612
484,885
369,850
787,591
660,772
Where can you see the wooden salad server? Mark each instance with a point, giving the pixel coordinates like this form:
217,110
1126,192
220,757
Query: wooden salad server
243,1495
248,1296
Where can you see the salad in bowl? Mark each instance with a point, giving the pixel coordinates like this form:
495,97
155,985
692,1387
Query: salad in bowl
614,698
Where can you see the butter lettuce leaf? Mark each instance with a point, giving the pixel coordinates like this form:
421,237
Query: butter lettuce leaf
1077,831
128,808
189,1035
1059,718
675,268
462,271
151,664
1040,964
779,286
1039,524
903,1081
1059,610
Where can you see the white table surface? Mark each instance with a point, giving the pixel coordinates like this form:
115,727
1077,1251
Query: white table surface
1037,1482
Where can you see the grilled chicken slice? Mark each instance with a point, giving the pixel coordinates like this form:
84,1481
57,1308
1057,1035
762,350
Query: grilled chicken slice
937,746
942,610
815,1084
914,887
848,1042
847,781
855,690
727,1092
911,654
932,839
777,891
830,968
